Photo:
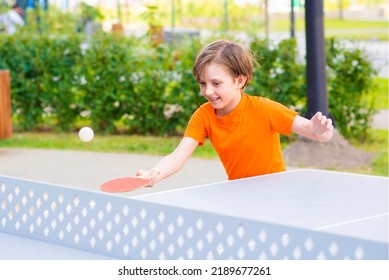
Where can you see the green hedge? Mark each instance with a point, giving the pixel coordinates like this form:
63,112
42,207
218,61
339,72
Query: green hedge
113,82
350,83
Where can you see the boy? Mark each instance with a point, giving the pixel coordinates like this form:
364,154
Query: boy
243,129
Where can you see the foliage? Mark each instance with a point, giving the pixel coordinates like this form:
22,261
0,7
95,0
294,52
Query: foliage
152,15
54,21
280,77
106,81
120,83
90,13
42,78
102,80
350,82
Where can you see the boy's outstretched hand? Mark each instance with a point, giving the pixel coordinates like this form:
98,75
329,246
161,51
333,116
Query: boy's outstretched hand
319,124
318,128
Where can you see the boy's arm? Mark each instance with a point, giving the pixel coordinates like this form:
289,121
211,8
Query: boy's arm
318,128
171,163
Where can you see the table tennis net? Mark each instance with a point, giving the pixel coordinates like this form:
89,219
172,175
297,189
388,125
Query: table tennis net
125,228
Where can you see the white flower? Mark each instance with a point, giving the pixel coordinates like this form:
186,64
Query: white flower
85,113
272,73
82,80
84,46
48,110
279,70
128,117
177,76
135,77
170,109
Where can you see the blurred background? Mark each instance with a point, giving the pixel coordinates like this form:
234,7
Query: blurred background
259,16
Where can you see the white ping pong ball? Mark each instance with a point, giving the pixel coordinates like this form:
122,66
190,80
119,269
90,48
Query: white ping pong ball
86,134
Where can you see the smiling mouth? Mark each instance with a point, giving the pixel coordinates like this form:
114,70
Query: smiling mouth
213,99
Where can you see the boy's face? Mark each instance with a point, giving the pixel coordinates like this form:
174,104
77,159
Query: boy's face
221,89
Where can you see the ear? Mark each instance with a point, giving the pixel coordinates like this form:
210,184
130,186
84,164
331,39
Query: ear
241,81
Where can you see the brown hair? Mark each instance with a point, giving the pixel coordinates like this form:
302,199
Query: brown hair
236,59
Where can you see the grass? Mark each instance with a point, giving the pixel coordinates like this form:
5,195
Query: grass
330,24
377,144
101,143
344,29
354,24
380,91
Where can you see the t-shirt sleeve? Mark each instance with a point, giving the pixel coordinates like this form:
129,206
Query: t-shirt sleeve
196,126
280,117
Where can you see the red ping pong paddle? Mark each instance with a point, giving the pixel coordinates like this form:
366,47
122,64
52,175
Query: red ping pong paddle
124,184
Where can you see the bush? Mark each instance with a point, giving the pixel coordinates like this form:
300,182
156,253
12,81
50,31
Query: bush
350,80
280,77
114,82
42,79
105,91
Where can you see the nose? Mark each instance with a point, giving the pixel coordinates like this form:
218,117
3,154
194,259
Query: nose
208,90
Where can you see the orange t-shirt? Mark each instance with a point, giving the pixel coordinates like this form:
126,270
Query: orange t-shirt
246,140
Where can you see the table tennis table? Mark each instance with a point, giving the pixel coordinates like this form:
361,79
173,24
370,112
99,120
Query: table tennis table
298,214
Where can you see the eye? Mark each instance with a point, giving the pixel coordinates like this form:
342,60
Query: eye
216,84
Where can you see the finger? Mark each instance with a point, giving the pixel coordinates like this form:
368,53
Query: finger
329,123
319,115
330,130
323,120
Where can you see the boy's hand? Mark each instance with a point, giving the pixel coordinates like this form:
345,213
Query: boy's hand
150,174
319,125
